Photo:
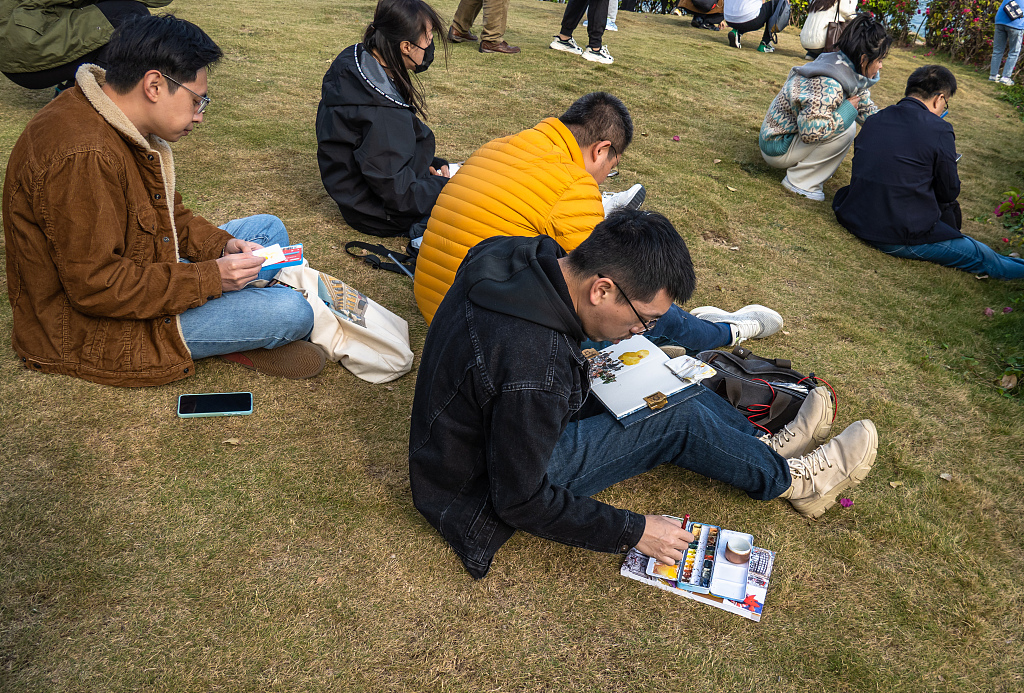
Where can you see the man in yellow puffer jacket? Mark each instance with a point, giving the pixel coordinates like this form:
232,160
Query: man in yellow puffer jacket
542,180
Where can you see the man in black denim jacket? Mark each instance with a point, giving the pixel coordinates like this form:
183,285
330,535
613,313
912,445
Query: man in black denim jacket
501,438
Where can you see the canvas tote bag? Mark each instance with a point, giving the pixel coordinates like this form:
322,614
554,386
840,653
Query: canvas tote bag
355,331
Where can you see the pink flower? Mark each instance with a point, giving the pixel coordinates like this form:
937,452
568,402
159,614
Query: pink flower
675,138
845,502
1007,309
1006,240
989,312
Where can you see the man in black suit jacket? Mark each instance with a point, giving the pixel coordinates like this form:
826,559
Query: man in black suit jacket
902,195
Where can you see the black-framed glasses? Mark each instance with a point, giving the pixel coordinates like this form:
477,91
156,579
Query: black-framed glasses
204,101
648,324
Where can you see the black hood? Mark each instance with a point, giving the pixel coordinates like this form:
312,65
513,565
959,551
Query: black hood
521,277
355,78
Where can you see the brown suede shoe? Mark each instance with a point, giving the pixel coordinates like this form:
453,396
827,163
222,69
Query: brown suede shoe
492,47
456,36
296,360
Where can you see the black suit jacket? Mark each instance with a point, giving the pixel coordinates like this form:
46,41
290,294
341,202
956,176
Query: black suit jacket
904,178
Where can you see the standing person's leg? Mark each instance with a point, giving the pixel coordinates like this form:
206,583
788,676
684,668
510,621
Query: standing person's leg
597,17
495,20
613,12
998,48
574,10
964,254
1013,40
462,20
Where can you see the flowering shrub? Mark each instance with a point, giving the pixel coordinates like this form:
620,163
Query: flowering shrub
1010,213
963,28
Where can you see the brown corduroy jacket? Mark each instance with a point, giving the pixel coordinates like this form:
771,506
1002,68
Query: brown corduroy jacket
93,275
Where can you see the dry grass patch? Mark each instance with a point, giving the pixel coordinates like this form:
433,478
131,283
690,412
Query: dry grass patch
140,552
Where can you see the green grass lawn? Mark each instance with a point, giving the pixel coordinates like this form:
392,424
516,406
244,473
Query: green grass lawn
139,551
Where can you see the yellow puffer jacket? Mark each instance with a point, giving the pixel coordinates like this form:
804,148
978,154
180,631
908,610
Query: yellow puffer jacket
522,185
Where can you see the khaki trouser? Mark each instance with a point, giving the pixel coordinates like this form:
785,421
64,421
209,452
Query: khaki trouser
810,165
495,18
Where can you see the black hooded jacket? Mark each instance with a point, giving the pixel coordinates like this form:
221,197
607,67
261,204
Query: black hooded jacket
500,378
374,153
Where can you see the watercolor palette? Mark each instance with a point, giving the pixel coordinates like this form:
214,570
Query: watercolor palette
704,568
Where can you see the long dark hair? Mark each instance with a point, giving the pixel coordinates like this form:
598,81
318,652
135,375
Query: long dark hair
821,5
864,36
395,21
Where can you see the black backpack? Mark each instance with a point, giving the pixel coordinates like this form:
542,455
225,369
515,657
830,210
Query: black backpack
767,391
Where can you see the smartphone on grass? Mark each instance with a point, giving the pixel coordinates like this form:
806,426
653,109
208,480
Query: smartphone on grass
215,404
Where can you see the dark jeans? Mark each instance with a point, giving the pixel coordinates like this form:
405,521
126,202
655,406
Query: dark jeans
116,11
761,20
597,16
704,434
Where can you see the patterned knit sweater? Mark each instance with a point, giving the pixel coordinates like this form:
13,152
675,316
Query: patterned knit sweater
813,104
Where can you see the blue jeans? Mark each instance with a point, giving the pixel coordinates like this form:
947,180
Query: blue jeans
1005,35
250,318
679,327
704,434
964,254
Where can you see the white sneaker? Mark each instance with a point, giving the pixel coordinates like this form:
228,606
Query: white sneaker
808,430
749,322
816,195
819,478
993,78
569,46
627,199
1006,80
600,56
611,26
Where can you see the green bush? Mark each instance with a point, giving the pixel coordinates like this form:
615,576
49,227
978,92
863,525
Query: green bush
963,28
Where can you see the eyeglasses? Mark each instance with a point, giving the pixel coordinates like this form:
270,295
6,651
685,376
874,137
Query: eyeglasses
945,101
204,101
648,324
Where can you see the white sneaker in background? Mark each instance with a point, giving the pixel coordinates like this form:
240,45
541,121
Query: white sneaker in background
599,56
627,199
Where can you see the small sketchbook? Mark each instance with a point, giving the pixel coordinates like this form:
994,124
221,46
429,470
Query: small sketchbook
626,376
749,606
278,257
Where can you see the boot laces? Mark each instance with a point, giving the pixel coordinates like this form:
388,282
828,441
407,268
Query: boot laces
809,465
780,438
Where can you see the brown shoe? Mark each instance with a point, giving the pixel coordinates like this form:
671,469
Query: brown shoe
492,47
296,360
456,36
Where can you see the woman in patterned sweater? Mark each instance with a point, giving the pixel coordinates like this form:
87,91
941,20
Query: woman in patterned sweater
812,122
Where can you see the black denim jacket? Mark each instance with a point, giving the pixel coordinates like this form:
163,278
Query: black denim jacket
500,379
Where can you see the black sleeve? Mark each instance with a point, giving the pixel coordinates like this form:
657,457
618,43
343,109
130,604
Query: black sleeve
385,158
947,182
524,496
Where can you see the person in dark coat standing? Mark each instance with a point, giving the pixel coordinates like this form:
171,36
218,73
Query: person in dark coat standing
902,194
376,156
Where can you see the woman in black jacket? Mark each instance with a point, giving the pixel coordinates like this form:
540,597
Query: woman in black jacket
376,156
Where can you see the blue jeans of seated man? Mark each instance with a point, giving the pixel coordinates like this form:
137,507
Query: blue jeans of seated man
250,318
686,330
1005,36
703,434
964,254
